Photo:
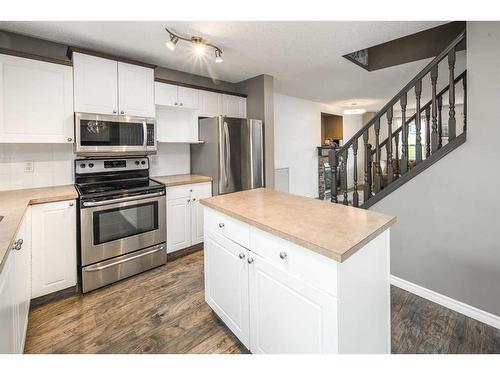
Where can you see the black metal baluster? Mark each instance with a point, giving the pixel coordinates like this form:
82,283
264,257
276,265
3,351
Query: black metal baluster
397,172
388,146
344,173
427,132
378,172
355,194
332,156
434,136
367,190
418,119
452,123
404,135
440,121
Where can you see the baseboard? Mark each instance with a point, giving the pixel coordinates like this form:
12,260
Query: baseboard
460,307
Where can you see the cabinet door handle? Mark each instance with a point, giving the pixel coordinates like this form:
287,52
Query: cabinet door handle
194,199
189,200
71,204
250,260
70,139
283,255
181,104
242,255
122,112
221,225
115,111
176,103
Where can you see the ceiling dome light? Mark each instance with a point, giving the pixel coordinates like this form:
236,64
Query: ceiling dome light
218,56
172,42
354,111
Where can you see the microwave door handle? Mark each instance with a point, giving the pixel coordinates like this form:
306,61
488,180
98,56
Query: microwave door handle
145,131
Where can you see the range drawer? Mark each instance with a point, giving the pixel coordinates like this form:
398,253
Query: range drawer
315,269
226,226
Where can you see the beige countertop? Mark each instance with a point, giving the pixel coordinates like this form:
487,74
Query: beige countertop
13,204
333,230
182,179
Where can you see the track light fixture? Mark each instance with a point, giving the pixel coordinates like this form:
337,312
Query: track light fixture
200,45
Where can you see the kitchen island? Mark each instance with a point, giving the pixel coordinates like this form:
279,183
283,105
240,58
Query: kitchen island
289,274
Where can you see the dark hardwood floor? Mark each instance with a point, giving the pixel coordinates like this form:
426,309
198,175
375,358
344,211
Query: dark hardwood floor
163,311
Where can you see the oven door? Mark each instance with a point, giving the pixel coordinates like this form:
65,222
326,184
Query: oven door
110,229
111,135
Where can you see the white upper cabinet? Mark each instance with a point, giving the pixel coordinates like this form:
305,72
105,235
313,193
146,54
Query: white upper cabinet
36,101
135,90
210,103
96,83
234,106
176,96
110,87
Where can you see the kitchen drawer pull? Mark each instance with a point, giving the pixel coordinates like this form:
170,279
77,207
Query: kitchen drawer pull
242,255
283,255
250,260
100,268
221,225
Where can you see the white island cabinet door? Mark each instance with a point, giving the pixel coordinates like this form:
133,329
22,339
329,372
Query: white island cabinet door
8,308
287,315
136,90
53,247
199,191
178,223
226,283
95,84
36,101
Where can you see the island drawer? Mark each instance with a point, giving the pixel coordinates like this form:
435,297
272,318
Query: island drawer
233,229
315,269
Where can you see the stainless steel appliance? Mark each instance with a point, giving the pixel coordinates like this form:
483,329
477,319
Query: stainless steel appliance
232,153
100,135
122,220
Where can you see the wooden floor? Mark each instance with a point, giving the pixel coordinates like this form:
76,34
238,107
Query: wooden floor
163,311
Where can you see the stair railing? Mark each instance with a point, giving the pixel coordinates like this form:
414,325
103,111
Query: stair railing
338,158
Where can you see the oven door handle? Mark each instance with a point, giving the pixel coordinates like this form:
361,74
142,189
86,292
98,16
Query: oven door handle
100,268
124,199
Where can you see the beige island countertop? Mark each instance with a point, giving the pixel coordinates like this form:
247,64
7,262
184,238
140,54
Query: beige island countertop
333,230
182,179
13,204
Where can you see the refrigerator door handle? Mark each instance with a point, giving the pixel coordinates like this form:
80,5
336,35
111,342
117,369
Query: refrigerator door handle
227,156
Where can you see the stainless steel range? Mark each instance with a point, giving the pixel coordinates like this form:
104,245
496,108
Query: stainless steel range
122,220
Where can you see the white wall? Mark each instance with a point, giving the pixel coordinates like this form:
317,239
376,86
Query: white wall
447,237
297,133
54,163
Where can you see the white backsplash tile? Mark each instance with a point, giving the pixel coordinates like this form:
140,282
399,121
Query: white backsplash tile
53,164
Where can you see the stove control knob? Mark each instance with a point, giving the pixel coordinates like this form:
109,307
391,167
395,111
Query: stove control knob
82,165
143,162
137,162
91,165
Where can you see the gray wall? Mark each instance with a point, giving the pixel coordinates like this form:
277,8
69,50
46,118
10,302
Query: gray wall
260,106
447,238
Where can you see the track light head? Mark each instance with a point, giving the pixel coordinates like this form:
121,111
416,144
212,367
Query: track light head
218,56
172,42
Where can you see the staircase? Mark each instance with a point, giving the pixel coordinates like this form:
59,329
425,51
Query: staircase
424,137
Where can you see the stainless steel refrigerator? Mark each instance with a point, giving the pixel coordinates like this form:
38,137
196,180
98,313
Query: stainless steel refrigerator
232,153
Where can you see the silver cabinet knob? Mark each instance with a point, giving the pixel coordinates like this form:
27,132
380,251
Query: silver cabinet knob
283,255
20,241
190,190
181,104
176,103
70,139
221,225
242,255
189,200
71,204
194,199
122,112
250,260
115,111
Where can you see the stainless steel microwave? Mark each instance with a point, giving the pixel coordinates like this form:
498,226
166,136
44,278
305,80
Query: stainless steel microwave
108,135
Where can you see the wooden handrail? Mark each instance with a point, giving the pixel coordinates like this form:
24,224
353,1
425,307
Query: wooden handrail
405,89
463,75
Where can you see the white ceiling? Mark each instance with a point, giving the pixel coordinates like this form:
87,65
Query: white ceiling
305,58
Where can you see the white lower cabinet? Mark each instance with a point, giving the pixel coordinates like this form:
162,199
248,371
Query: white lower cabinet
226,284
54,247
279,297
15,291
287,315
185,215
